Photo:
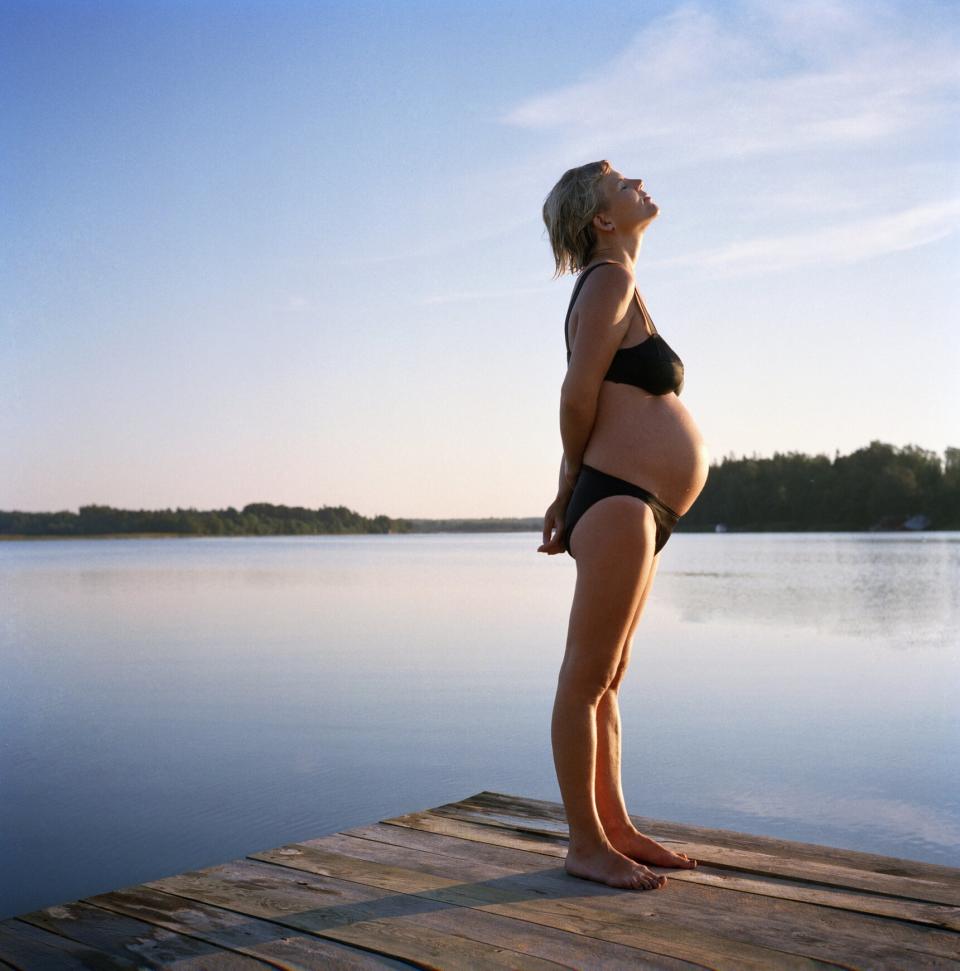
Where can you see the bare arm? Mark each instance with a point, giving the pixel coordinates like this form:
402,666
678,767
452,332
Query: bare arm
576,424
602,321
565,485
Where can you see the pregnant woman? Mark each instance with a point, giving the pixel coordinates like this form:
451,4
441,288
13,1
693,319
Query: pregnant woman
633,463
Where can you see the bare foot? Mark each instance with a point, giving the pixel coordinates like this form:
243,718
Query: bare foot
636,846
607,865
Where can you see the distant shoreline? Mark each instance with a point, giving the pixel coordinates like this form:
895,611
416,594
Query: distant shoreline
436,532
880,488
4,536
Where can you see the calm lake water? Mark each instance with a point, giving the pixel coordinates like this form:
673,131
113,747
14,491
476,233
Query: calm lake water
172,704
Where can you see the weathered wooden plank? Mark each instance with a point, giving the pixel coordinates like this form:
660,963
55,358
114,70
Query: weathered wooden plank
136,941
522,839
851,924
28,948
162,930
565,902
543,941
669,831
480,884
932,915
750,920
585,941
539,816
510,932
831,874
392,924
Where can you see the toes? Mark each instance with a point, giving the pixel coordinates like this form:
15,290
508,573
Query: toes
655,880
644,881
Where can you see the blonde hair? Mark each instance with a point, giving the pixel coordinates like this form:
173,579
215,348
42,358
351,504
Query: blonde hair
568,212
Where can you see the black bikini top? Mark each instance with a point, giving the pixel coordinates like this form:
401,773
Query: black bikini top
651,365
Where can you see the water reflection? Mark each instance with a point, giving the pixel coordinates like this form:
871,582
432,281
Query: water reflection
912,821
901,590
171,704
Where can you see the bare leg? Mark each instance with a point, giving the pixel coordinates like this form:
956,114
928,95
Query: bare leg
611,808
613,546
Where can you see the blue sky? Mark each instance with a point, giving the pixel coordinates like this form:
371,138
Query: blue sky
293,252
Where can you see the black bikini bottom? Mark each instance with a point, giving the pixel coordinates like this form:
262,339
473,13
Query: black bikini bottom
593,485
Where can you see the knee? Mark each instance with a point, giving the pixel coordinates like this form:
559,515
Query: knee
617,678
583,687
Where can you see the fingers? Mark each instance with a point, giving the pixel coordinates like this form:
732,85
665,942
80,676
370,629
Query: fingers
552,523
554,546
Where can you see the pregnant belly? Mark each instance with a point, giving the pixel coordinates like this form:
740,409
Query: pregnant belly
650,440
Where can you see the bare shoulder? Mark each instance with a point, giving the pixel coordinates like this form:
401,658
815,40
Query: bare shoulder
610,271
605,298
601,321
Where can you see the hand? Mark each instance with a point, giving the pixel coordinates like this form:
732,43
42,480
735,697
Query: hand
554,521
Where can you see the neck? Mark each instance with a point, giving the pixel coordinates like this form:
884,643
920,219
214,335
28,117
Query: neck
625,251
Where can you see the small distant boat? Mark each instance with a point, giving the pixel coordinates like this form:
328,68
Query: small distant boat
720,528
893,523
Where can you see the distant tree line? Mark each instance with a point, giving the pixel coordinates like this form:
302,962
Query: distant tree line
877,487
256,519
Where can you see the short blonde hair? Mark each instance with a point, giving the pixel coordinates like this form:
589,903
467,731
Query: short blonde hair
568,212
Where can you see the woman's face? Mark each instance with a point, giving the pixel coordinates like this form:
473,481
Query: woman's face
628,203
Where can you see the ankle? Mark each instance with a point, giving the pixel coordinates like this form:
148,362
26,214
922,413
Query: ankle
588,845
618,828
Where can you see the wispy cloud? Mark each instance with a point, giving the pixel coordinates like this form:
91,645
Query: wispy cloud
794,123
849,242
810,118
761,78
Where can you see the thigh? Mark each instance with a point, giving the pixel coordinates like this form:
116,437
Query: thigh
614,543
628,642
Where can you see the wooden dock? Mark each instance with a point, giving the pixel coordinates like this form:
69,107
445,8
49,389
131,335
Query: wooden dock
480,884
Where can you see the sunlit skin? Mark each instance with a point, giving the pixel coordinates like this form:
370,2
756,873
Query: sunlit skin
604,844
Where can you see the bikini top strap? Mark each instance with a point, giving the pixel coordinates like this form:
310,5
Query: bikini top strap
645,312
573,297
